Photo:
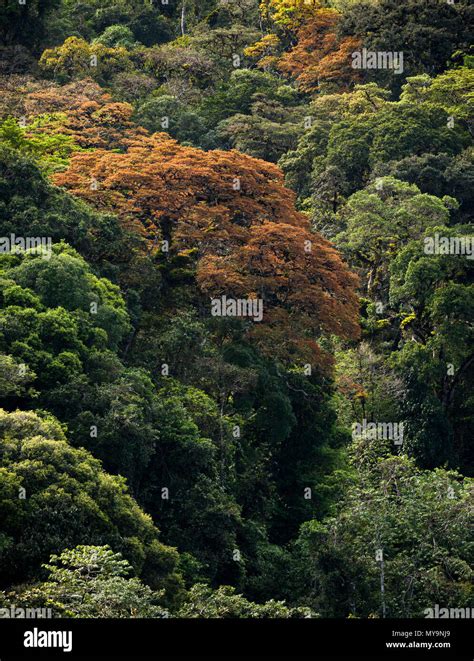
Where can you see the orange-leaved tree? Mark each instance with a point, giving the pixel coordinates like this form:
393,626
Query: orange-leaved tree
320,55
82,109
231,215
305,44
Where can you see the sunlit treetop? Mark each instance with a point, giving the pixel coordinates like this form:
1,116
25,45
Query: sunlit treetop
288,13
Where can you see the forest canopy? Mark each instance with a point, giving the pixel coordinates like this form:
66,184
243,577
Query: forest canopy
236,307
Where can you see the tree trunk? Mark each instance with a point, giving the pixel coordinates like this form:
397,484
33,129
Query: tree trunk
183,18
